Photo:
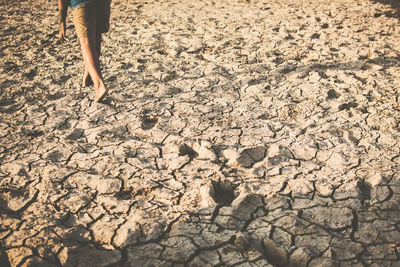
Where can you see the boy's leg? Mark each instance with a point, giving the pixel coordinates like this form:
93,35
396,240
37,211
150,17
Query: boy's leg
86,77
103,9
85,24
92,64
86,80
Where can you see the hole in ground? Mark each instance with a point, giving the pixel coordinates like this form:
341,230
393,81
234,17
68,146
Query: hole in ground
224,192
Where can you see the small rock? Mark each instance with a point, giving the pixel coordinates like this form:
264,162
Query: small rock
315,36
206,194
305,149
250,156
245,204
185,149
205,151
332,94
284,155
76,134
230,155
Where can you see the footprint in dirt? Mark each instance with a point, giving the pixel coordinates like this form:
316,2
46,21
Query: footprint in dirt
148,121
223,192
220,193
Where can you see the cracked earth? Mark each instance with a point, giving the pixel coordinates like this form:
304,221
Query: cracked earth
259,133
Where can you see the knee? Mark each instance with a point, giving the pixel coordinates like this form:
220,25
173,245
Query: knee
84,41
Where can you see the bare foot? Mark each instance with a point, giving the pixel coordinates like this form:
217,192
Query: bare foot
86,80
101,92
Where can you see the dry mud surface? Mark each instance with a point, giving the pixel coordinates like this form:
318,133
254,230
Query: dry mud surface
260,133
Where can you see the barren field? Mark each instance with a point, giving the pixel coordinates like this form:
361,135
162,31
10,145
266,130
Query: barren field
236,133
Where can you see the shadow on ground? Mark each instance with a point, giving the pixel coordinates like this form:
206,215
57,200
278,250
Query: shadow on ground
395,4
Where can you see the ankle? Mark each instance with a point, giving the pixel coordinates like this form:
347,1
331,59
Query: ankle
98,83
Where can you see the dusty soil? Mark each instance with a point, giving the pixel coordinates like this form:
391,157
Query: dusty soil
236,133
